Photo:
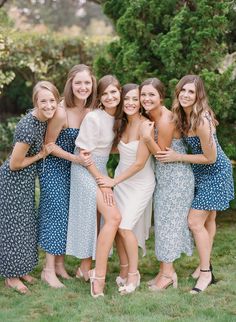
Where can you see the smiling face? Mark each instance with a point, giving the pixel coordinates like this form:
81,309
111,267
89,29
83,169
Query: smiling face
110,99
131,103
46,104
187,95
82,85
150,98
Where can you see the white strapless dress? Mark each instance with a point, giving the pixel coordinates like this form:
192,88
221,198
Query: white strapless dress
134,195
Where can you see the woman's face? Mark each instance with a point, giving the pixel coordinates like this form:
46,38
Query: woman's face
131,104
46,104
110,98
187,95
82,85
150,98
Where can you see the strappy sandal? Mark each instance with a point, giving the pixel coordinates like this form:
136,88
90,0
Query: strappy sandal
130,288
93,277
196,290
66,276
29,279
121,281
80,275
173,280
21,289
44,279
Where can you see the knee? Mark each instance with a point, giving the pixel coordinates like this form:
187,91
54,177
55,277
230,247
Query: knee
115,219
194,225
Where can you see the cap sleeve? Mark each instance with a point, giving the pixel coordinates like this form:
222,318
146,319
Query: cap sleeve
89,132
25,131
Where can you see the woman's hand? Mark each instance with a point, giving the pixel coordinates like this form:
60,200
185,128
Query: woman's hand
108,196
105,182
168,156
84,158
146,130
47,149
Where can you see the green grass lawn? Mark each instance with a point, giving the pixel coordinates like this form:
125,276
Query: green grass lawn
74,303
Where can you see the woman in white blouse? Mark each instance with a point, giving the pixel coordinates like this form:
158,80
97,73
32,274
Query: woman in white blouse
83,241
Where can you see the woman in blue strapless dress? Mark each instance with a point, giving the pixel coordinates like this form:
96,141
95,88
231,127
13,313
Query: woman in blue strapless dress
212,169
54,174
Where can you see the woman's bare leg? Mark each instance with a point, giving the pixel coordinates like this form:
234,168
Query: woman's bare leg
49,274
105,239
124,267
210,226
60,267
196,221
131,248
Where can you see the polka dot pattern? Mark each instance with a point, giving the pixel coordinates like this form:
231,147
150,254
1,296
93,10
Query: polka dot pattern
18,222
54,196
214,187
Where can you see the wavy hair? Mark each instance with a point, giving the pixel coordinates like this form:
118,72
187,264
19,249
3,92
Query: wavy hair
69,97
200,108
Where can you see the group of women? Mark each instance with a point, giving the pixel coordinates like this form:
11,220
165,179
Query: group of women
82,210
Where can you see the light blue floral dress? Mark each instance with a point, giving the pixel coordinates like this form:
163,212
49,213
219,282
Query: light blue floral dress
173,197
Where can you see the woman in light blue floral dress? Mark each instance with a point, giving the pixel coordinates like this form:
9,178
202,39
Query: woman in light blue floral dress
212,169
18,220
174,186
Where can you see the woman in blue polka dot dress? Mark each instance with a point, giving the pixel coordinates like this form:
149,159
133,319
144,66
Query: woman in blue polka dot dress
79,96
212,169
18,224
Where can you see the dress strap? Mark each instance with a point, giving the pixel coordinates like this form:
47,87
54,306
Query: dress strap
209,119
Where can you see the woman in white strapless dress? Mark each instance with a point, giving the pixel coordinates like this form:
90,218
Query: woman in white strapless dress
134,185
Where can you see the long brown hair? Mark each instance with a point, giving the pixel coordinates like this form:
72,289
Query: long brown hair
103,83
69,98
157,84
200,106
120,117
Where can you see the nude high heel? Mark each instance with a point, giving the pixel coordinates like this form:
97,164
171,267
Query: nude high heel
80,275
130,288
93,277
173,280
120,281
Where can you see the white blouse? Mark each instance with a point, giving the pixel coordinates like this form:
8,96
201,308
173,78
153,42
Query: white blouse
96,133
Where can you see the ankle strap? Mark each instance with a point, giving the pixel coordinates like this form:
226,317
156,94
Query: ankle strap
167,276
124,265
132,274
205,270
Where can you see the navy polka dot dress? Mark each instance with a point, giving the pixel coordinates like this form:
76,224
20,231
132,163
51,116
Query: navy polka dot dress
214,187
18,221
54,177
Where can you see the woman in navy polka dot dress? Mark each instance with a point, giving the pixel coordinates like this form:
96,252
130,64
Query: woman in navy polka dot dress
18,224
212,169
79,96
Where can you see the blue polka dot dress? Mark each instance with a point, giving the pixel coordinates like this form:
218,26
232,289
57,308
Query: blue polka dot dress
18,220
214,187
54,177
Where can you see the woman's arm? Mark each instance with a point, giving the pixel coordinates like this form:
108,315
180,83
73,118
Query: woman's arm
55,125
164,138
141,159
208,148
19,160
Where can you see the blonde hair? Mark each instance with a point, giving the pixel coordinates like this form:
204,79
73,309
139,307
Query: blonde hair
44,85
200,108
69,98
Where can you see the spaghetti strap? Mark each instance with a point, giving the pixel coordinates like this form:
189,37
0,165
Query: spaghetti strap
209,119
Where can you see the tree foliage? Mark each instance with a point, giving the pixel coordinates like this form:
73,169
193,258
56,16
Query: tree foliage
171,38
